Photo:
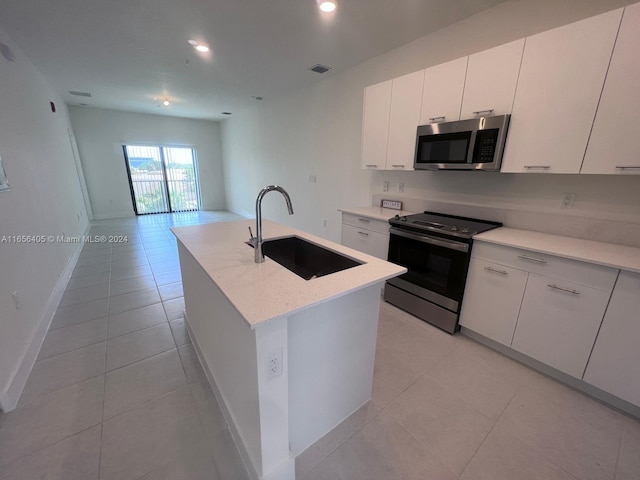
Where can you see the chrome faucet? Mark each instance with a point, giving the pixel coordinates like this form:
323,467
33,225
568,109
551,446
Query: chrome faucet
257,240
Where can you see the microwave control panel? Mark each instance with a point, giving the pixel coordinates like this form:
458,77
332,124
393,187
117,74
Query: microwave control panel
486,144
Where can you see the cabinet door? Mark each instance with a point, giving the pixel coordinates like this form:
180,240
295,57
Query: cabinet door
560,81
375,125
492,300
614,365
613,145
558,322
367,241
406,97
491,80
442,92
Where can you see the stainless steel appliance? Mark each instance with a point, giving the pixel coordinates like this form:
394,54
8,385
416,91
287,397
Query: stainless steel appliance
435,248
475,144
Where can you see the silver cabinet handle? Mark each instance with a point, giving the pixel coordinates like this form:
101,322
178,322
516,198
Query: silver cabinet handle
556,287
622,167
365,220
436,119
397,166
537,167
532,259
363,233
371,166
501,272
482,112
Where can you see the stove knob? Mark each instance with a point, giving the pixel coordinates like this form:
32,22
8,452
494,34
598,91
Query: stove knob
397,217
454,229
404,219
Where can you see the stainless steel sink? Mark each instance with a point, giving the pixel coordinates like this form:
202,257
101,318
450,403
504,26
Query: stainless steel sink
306,259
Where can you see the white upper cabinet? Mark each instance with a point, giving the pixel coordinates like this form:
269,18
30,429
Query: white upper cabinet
560,82
491,81
406,96
613,146
375,125
442,92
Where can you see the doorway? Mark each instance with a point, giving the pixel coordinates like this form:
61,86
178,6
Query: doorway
162,179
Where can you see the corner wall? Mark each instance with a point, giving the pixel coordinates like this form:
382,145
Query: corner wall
317,130
45,199
100,134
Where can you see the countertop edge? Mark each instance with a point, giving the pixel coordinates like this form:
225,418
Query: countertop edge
375,213
600,253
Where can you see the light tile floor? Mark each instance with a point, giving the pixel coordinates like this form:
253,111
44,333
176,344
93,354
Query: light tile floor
117,393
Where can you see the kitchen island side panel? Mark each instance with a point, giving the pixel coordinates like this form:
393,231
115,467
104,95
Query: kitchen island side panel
331,362
228,348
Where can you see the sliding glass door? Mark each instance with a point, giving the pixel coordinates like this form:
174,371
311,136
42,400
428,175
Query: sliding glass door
162,179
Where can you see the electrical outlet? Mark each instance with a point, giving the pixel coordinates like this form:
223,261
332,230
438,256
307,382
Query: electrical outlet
385,186
400,187
16,300
274,363
312,178
568,200
324,224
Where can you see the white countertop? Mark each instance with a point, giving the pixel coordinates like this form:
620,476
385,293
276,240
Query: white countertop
607,254
264,291
375,213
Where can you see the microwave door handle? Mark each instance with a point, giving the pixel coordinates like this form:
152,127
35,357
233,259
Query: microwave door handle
440,242
472,146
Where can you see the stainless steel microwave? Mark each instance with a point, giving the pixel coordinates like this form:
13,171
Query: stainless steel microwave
475,144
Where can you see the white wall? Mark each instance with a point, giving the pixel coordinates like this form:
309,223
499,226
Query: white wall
100,135
318,130
45,199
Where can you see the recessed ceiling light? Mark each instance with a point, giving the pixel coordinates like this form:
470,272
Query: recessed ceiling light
166,102
201,47
327,5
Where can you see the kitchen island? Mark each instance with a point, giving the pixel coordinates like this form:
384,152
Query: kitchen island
287,358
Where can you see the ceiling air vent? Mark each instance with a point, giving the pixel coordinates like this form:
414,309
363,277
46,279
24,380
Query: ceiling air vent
79,94
319,68
226,113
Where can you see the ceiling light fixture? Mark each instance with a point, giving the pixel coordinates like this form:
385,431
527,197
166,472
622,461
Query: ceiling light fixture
327,5
166,102
201,47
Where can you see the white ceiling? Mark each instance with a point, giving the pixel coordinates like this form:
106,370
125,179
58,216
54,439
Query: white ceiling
130,53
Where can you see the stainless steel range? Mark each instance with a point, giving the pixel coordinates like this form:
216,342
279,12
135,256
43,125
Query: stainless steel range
435,248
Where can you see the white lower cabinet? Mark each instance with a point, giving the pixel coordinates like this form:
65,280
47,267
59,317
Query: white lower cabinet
614,365
367,241
558,322
492,300
366,234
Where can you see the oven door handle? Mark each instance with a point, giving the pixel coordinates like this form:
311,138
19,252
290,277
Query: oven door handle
441,242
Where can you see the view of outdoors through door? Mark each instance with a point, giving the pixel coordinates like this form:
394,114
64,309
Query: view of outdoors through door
162,179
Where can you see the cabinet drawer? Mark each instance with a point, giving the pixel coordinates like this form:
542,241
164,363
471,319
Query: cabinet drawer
380,226
367,241
558,322
492,300
589,274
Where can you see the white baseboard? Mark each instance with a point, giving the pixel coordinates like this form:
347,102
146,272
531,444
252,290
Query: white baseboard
109,216
10,396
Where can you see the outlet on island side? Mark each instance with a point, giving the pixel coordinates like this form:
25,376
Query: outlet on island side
274,363
568,199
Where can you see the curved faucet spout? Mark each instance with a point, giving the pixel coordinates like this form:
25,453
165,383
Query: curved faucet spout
257,240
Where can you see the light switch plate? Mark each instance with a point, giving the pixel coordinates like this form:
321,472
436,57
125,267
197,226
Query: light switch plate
393,204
